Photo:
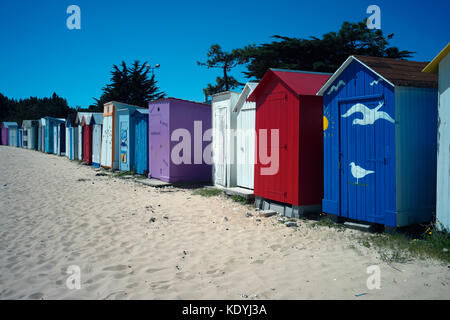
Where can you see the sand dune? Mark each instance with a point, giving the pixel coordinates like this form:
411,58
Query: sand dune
55,213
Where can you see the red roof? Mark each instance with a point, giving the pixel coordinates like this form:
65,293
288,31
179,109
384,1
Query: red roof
300,82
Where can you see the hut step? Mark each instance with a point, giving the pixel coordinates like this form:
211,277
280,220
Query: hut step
357,226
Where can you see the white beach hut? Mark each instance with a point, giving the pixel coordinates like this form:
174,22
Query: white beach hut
245,145
441,65
224,141
79,133
97,143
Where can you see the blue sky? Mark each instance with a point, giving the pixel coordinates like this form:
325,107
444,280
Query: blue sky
39,55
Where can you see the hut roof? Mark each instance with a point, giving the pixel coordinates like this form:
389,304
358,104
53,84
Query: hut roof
433,66
396,72
300,82
10,124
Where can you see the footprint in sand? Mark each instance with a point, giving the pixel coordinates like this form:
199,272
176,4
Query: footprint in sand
120,275
153,270
36,296
119,267
132,285
159,285
93,287
275,247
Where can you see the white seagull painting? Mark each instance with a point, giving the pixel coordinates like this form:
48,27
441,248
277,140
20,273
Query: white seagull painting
369,115
374,82
336,87
359,173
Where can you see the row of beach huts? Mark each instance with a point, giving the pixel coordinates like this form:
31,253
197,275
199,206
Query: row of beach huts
369,143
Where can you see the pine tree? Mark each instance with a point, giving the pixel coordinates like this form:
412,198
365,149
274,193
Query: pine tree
324,54
131,85
225,61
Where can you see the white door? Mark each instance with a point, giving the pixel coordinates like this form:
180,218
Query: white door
106,159
96,143
55,140
13,137
80,142
67,142
246,148
220,167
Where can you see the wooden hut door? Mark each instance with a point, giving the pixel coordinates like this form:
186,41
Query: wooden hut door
55,140
107,143
275,117
358,160
71,143
96,143
155,148
124,133
220,145
246,148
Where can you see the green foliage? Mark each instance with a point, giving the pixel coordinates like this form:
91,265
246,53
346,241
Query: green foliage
122,174
33,108
132,85
226,61
239,199
318,55
327,222
401,248
208,192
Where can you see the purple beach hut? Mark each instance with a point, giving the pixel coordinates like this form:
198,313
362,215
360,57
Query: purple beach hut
179,139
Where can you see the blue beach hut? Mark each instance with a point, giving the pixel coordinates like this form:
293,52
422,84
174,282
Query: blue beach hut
13,134
380,133
20,141
127,141
141,142
39,146
50,125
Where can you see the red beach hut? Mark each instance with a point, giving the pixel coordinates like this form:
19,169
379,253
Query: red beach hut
87,139
289,168
87,123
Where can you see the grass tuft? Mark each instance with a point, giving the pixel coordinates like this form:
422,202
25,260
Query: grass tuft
207,192
399,247
124,173
327,222
239,199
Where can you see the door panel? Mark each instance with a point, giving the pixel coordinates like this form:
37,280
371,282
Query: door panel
272,186
362,164
220,145
107,142
124,146
96,143
246,148
157,167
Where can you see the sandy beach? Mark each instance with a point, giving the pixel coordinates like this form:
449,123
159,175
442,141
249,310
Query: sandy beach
55,213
